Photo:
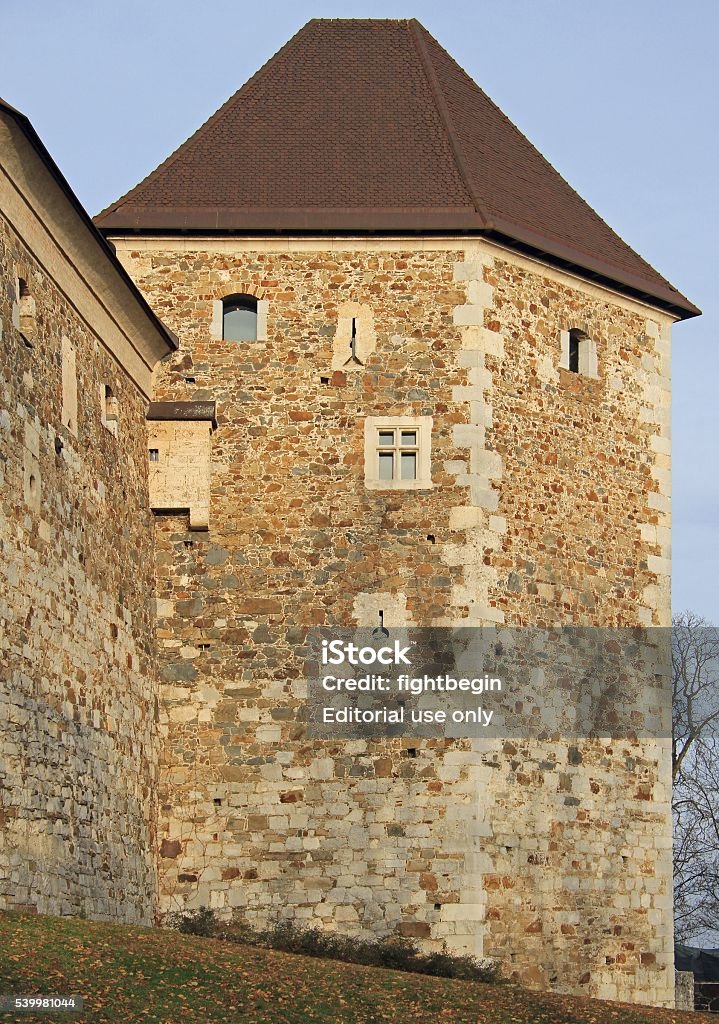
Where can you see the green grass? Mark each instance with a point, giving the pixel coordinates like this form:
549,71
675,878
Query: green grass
128,975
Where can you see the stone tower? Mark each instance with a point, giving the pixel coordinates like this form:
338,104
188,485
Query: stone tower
359,250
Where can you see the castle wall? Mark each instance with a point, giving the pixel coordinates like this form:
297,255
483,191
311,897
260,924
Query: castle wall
78,752
549,504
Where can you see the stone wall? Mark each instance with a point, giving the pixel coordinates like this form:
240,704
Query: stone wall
78,753
577,865
549,504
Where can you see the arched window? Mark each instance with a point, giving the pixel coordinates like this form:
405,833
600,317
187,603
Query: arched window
239,318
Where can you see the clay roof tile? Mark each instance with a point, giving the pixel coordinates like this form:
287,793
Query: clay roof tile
362,125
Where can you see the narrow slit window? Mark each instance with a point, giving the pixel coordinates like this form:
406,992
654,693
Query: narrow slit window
239,318
353,345
26,310
112,408
579,353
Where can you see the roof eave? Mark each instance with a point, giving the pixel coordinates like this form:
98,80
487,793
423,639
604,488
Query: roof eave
279,219
655,292
195,220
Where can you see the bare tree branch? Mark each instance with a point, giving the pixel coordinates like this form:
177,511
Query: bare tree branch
695,774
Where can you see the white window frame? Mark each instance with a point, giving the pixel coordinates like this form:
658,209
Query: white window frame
373,426
587,354
218,314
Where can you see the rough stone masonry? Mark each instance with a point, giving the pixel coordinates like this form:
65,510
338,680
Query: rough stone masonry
79,739
557,860
78,694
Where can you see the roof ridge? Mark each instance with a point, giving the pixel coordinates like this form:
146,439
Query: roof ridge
415,28
244,90
360,21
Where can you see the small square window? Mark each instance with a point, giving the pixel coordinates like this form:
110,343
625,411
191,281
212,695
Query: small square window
397,452
401,462
578,353
154,454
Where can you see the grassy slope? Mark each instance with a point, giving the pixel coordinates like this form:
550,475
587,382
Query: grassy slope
144,974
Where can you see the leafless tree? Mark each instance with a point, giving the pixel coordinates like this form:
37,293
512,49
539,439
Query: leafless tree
695,773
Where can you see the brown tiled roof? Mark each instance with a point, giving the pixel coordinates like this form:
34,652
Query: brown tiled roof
370,126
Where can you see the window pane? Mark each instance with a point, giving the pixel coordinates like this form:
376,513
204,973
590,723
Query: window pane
409,437
386,437
386,466
409,465
239,325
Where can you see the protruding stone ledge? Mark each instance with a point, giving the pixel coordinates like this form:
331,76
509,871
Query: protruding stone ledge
183,411
179,454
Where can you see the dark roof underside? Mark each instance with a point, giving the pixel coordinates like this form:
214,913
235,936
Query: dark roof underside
370,126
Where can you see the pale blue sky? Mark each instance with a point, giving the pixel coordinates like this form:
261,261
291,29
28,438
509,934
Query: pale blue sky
622,96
